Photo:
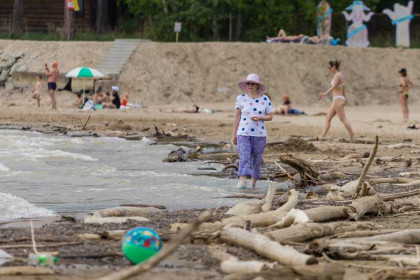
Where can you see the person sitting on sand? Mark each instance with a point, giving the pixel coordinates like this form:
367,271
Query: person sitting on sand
80,102
286,108
124,99
99,97
115,101
37,91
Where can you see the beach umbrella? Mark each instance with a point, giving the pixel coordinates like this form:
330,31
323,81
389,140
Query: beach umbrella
84,73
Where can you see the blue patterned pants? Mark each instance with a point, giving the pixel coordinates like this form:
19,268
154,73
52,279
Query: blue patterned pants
251,149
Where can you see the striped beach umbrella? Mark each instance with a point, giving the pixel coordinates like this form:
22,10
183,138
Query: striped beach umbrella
84,73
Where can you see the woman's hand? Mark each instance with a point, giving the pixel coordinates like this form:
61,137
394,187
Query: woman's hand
321,94
234,140
255,119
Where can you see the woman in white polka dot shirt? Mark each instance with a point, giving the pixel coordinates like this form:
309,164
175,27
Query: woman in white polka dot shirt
249,133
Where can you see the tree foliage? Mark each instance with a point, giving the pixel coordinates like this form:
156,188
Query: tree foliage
250,20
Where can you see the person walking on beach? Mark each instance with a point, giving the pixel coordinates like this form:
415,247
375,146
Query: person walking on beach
339,100
37,92
52,82
405,85
249,133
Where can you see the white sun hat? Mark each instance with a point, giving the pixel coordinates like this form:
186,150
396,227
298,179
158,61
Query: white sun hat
115,88
252,78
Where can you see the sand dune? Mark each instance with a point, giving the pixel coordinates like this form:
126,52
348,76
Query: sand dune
167,73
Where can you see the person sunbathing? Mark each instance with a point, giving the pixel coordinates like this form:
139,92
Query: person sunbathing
286,108
193,109
301,38
317,40
282,37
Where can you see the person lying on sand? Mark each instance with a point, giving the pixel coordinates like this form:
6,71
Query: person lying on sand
316,40
286,108
193,109
37,91
301,38
282,35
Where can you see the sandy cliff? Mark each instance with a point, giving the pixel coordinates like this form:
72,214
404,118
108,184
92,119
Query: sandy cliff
162,73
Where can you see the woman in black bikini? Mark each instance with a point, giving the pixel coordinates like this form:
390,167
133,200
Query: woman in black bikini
405,85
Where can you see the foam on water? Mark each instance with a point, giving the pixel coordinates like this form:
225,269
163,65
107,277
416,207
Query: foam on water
13,208
73,174
34,154
4,168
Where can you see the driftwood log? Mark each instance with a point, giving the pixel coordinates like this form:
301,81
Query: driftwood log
308,172
408,236
362,187
309,231
25,270
231,265
256,220
254,206
268,205
265,247
268,218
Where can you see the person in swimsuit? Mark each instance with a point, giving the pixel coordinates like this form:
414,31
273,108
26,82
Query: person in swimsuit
37,92
339,100
52,82
405,85
286,108
282,35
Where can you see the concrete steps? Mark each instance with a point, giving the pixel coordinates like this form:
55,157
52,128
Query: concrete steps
118,55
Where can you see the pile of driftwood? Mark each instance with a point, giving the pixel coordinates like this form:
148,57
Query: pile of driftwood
310,243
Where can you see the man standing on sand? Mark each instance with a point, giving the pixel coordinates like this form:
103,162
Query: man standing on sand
52,82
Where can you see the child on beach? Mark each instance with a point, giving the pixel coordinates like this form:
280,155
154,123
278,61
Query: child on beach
249,133
37,91
405,85
124,99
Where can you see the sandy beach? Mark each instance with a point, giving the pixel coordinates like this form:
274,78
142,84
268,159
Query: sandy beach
196,77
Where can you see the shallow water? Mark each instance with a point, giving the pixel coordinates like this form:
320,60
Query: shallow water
42,174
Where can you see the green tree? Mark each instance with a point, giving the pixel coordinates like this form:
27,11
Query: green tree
252,20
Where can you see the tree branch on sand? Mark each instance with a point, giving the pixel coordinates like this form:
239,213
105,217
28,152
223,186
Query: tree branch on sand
362,187
308,172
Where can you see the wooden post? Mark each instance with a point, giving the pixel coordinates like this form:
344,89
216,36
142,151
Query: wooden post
230,26
101,16
17,27
69,27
